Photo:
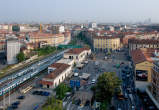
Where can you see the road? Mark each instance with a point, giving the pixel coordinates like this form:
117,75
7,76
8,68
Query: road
95,70
126,74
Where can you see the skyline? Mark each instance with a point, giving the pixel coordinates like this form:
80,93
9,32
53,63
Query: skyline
78,11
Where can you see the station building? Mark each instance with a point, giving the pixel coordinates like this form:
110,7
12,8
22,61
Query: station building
77,54
57,73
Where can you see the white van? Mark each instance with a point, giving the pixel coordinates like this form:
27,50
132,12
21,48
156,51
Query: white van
93,81
76,74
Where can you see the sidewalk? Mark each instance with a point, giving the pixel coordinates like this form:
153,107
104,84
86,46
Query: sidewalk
152,98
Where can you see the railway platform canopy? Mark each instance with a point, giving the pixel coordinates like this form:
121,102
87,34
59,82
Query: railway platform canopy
69,46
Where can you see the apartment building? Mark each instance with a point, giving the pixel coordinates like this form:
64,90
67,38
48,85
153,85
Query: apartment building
57,29
67,37
106,43
51,39
12,49
155,82
2,46
134,44
143,60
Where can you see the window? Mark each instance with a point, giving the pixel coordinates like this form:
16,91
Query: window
69,57
48,86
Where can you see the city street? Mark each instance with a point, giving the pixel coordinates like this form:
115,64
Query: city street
97,67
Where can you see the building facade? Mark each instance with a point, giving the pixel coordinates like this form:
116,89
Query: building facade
77,54
155,81
12,49
143,60
57,29
2,46
104,43
93,25
134,44
57,73
50,39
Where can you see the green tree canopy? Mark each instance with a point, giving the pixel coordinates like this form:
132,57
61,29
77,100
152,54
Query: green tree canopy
61,90
107,83
53,104
15,28
20,57
45,50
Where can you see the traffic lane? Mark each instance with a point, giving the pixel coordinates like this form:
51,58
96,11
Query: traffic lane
133,89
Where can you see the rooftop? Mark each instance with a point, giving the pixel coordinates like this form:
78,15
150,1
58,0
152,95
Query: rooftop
144,54
106,37
143,41
39,34
65,61
60,67
77,50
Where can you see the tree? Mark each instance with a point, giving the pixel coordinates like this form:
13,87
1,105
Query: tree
61,90
107,83
53,104
15,28
20,57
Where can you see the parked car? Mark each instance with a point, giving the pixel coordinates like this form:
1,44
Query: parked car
35,92
16,103
21,97
45,94
76,74
93,81
12,107
77,102
87,103
42,93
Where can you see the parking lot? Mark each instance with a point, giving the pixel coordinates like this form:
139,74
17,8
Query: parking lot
27,101
30,101
95,68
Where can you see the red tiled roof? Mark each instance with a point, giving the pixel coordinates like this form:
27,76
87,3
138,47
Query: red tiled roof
38,34
144,54
137,56
2,43
143,41
60,67
106,37
46,82
77,50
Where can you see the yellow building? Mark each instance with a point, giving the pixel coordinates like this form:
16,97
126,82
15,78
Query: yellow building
143,62
105,43
144,67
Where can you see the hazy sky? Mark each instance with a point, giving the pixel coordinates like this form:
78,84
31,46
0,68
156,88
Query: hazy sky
79,10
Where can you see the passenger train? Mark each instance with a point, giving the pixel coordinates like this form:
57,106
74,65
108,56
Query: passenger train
27,73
